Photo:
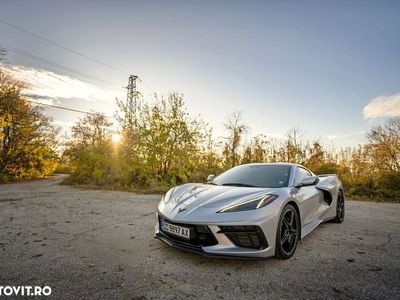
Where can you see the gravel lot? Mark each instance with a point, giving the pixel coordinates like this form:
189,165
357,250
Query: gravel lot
99,244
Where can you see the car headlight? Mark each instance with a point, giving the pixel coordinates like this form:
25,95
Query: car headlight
167,196
250,204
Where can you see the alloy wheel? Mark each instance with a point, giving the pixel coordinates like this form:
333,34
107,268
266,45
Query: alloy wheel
340,207
289,231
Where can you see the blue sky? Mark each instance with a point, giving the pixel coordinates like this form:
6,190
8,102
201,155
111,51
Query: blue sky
329,67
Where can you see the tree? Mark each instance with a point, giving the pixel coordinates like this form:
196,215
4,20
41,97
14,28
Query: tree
171,140
90,151
384,151
129,115
209,160
27,137
256,151
293,148
236,130
92,131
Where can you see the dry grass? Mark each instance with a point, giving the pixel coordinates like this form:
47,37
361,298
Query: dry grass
115,187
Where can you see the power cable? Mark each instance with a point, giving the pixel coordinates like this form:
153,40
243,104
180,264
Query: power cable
31,56
67,108
46,61
63,47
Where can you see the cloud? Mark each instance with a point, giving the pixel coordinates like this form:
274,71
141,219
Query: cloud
46,85
383,106
332,137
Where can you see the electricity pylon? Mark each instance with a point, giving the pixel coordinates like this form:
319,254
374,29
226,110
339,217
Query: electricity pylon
132,99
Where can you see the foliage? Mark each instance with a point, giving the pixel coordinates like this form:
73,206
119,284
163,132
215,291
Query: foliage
27,138
384,152
90,153
162,145
236,131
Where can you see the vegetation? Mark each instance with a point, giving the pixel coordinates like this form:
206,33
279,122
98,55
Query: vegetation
27,138
162,145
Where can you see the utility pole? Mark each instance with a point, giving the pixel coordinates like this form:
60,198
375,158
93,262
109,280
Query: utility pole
132,98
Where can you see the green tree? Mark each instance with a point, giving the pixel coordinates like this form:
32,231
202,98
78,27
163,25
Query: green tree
131,152
90,152
171,139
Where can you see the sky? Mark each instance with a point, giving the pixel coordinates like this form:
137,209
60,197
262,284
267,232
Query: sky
331,68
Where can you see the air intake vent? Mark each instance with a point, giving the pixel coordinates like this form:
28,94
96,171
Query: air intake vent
245,236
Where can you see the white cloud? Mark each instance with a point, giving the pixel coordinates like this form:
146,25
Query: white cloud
332,137
44,84
383,106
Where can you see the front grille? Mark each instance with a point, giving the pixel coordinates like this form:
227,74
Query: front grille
200,235
245,236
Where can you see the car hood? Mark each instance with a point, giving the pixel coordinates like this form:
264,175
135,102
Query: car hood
191,197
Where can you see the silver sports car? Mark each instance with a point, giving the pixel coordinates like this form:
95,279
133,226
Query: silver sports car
250,211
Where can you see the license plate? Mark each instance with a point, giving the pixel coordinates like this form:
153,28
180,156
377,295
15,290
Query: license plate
175,230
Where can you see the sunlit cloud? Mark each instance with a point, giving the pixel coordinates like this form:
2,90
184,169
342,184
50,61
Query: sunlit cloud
332,137
46,86
383,106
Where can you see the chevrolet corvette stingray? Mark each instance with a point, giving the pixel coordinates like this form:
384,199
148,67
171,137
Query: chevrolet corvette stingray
250,211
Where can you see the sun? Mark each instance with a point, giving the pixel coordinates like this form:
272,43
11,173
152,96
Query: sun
116,138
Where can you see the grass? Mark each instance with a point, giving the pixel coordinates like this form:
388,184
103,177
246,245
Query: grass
373,199
162,189
115,187
22,180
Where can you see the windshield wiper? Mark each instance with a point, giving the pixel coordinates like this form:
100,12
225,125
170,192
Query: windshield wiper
239,184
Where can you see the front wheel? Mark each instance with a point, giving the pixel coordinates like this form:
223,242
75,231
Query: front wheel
339,208
288,232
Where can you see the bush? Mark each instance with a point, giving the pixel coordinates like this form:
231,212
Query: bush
3,178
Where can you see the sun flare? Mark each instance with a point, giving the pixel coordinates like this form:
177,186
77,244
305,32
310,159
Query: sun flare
116,138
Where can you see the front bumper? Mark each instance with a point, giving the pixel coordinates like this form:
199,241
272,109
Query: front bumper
197,249
252,240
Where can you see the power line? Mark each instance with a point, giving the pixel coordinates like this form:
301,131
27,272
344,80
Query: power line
63,47
46,61
67,108
72,51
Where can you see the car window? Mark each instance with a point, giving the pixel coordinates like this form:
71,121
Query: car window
269,176
301,173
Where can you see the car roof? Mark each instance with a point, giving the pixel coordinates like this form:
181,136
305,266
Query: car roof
275,163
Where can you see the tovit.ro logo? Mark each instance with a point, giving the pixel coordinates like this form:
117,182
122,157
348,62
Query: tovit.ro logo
25,290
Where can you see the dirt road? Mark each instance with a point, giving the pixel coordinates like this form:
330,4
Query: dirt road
98,244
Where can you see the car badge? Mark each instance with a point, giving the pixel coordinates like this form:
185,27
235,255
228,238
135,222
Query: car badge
181,209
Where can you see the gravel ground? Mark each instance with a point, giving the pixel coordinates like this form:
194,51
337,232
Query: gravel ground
99,244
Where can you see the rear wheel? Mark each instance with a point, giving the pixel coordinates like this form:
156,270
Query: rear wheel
339,208
288,232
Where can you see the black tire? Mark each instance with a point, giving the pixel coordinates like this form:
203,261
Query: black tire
339,208
288,233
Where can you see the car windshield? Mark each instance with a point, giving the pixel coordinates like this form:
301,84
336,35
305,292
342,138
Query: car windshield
267,176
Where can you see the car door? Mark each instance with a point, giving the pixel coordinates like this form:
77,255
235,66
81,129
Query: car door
308,197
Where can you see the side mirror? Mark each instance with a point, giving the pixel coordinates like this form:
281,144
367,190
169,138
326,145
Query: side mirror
210,178
310,180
